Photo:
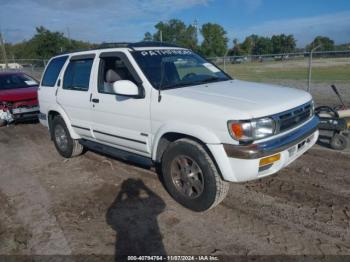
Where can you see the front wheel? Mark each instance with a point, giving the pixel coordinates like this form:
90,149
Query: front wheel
3,122
339,142
191,177
65,145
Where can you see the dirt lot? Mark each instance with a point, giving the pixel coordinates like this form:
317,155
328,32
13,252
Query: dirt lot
91,205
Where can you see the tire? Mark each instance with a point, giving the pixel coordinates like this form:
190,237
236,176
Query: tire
65,145
3,123
339,142
186,165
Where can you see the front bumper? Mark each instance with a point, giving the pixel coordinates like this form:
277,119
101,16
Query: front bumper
25,113
240,163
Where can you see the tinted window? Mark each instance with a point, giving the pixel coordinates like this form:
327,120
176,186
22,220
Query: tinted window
77,75
53,70
18,80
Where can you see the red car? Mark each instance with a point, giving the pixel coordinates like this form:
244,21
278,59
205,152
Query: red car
18,97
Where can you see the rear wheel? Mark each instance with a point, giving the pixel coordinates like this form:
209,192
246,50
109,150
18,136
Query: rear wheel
65,145
339,142
191,177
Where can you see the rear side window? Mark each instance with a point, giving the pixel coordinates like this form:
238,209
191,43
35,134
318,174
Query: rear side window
53,70
77,75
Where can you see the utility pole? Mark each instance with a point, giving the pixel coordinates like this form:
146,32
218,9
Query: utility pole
3,49
161,36
195,24
68,34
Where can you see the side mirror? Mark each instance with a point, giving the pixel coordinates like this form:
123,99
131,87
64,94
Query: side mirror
126,88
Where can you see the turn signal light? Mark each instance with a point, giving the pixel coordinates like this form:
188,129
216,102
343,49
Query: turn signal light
237,130
269,160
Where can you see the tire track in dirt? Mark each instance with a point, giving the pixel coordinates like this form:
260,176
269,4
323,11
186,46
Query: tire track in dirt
288,213
29,198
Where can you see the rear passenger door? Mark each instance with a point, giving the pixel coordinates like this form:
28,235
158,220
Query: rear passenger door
48,86
74,94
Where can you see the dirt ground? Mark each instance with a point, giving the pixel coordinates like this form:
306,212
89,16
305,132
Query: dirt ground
94,204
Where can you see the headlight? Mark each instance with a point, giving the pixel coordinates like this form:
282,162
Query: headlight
248,131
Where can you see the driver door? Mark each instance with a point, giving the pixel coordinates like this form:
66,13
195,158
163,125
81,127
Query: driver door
120,121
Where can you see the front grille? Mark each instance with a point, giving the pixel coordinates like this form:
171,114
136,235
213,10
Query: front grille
294,117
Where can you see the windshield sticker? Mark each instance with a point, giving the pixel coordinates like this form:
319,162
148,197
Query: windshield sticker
211,67
30,82
162,52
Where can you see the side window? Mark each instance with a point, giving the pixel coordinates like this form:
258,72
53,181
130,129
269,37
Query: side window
77,75
53,70
112,69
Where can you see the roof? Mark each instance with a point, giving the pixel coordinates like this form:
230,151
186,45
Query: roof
138,45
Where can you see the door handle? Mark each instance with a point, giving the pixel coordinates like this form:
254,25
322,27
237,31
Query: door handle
95,100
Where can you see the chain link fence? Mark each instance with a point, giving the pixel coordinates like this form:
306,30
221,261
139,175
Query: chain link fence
33,67
277,57
293,70
290,69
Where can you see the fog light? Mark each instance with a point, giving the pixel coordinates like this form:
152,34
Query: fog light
268,160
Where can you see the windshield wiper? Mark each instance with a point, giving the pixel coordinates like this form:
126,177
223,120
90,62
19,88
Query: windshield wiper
183,84
180,84
209,79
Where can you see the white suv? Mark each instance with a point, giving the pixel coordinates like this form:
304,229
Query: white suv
172,108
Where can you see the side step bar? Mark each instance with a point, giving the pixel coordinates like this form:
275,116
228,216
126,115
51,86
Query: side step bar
117,153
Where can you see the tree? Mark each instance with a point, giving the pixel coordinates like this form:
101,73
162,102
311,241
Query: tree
215,40
283,43
249,44
342,47
262,46
148,37
326,43
257,45
237,49
176,32
45,44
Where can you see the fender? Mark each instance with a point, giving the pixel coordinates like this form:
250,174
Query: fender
66,119
196,131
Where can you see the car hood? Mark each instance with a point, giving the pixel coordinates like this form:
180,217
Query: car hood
244,98
19,94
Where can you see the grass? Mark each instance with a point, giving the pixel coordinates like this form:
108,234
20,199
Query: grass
270,71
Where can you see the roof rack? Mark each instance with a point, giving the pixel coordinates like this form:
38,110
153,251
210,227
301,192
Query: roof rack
137,44
126,45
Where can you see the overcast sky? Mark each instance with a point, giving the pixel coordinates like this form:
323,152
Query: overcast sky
128,20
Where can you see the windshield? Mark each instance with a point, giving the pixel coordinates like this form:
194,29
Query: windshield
172,68
13,81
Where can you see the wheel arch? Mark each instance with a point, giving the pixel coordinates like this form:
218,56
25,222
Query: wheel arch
172,131
52,113
168,137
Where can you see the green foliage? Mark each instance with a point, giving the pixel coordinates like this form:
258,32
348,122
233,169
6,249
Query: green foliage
45,44
342,47
326,44
249,44
259,45
283,43
215,40
148,37
175,32
263,46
